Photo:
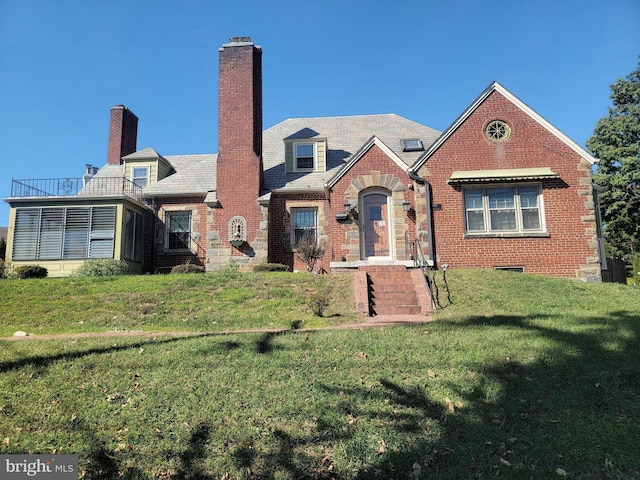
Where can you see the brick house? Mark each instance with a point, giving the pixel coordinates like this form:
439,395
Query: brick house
500,188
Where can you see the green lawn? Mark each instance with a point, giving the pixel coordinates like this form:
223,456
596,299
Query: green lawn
191,302
518,377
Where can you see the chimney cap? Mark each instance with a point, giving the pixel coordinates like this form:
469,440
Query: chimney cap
239,42
240,39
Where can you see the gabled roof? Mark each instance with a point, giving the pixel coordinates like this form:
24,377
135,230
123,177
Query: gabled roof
360,153
145,153
496,87
346,136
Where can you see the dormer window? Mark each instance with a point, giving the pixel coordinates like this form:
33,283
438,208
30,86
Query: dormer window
304,157
140,176
412,145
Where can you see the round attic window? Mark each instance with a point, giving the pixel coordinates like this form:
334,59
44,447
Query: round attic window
498,131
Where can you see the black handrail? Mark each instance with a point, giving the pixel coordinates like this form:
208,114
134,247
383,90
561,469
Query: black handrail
415,252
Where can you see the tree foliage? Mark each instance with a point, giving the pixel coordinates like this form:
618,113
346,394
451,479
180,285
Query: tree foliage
616,143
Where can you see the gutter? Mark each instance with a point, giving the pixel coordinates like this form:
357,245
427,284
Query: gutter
427,195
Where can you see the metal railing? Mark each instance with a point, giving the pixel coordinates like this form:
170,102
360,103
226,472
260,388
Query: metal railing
416,253
65,187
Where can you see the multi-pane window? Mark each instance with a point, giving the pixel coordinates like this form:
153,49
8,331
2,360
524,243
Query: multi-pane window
503,209
178,235
305,154
140,176
64,233
133,235
304,224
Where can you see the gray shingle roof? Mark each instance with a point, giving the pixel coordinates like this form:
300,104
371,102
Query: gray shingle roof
345,136
193,174
196,174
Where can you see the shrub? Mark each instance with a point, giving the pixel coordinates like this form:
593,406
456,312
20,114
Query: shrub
271,267
230,268
3,269
318,302
309,251
31,271
635,271
187,268
102,267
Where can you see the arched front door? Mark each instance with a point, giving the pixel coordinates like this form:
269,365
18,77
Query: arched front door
375,225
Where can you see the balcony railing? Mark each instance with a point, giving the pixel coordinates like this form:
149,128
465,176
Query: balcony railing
65,187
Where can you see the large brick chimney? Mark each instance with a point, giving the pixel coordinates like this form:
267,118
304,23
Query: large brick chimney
239,175
123,134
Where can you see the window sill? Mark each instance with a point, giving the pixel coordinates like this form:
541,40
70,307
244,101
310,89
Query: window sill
508,235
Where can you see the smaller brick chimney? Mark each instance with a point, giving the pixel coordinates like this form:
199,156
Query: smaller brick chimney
123,134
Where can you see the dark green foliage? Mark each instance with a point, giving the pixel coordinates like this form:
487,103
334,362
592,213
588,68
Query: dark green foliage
103,267
271,267
636,270
31,271
3,248
3,269
187,268
616,143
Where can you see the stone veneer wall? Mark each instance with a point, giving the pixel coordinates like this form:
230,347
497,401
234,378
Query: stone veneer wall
219,252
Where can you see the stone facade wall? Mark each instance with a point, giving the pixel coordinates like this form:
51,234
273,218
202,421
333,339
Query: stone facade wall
375,171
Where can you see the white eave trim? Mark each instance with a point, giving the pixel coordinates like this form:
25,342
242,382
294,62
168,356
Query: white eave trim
360,153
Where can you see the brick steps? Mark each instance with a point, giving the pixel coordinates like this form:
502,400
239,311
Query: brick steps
391,290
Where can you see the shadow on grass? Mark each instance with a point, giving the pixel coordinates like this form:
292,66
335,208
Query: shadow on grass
573,409
42,361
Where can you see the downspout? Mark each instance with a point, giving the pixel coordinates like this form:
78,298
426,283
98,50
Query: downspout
154,209
427,195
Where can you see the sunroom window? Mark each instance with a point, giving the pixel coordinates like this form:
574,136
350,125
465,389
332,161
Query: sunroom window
515,209
64,233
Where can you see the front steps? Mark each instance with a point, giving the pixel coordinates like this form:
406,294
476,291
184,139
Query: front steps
391,290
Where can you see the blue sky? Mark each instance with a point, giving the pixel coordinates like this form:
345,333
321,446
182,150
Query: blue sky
64,63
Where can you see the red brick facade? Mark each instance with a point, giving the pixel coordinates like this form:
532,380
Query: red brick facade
281,249
239,168
164,258
123,134
375,170
569,247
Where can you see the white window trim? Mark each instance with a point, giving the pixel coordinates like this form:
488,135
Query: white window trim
295,157
167,215
519,231
146,176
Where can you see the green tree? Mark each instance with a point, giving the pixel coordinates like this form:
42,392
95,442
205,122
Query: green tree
616,143
3,248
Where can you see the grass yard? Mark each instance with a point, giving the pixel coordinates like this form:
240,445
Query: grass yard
191,302
519,377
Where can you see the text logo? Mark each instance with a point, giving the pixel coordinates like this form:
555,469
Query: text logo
46,467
